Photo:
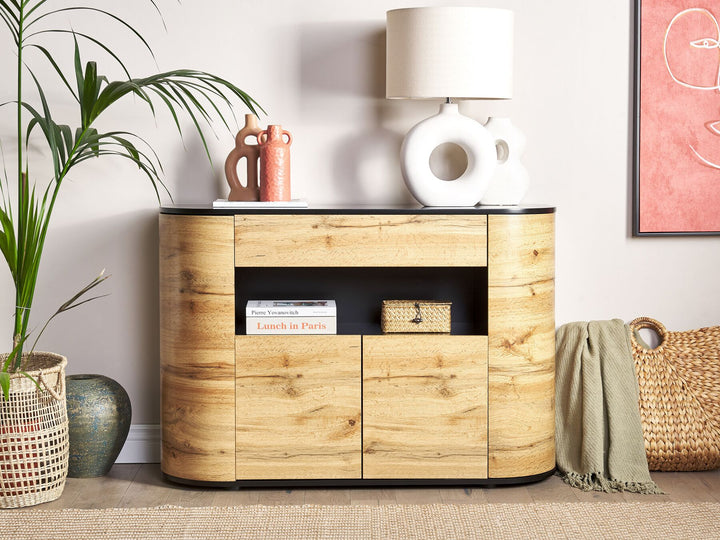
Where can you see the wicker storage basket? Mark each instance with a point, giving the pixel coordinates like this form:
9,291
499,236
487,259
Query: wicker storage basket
34,444
423,316
679,384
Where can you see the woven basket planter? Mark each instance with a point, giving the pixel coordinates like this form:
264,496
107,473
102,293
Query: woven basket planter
34,442
679,383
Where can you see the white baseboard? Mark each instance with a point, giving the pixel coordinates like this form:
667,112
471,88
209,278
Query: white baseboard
142,445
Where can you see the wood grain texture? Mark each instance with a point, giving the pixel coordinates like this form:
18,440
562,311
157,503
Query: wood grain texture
521,248
521,358
360,240
197,362
424,406
298,407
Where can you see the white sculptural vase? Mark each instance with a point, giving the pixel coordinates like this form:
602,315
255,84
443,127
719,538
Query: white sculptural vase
511,181
448,126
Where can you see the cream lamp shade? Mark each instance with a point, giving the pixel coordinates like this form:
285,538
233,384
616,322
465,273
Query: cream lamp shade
449,52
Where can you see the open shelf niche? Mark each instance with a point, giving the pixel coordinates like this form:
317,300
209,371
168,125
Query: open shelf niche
359,292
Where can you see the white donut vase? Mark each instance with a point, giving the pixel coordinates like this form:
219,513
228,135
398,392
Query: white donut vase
448,126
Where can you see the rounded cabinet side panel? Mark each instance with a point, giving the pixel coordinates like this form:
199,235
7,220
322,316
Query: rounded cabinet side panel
197,352
521,354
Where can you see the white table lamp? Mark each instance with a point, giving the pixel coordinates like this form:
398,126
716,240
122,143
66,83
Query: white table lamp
449,53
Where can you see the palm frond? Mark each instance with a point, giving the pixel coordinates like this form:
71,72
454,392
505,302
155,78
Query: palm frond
50,131
118,144
10,17
95,10
32,227
34,8
187,90
8,244
75,301
48,126
55,67
201,96
85,36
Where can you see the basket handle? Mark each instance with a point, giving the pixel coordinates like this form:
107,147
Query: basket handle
56,392
652,324
418,314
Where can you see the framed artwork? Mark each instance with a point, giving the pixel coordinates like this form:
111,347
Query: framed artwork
676,184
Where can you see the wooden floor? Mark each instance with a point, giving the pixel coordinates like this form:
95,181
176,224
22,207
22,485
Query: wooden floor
143,485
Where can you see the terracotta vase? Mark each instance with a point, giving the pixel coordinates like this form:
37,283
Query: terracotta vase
251,153
274,164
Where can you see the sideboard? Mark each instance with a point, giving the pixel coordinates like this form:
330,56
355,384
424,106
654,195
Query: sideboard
475,406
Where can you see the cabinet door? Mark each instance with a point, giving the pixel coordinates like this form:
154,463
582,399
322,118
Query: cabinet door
424,406
298,412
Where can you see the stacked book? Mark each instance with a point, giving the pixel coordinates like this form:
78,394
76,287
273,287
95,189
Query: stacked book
290,317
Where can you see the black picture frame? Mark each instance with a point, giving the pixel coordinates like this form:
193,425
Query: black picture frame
636,127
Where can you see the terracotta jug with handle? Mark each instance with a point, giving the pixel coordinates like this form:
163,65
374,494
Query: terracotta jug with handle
251,153
274,163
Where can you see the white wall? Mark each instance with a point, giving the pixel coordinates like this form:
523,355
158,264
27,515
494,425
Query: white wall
317,67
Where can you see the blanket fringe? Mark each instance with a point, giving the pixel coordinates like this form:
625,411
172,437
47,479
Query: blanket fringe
597,482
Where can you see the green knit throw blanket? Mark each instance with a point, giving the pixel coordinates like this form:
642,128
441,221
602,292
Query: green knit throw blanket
598,432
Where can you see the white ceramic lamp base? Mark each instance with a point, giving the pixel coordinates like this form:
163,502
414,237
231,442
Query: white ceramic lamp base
448,126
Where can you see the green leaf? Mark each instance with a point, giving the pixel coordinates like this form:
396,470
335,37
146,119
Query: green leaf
50,131
92,135
10,17
14,357
5,384
67,137
7,242
96,10
94,283
28,376
56,67
38,5
89,38
78,71
90,92
73,302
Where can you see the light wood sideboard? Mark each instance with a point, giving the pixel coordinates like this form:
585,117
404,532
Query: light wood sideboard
475,406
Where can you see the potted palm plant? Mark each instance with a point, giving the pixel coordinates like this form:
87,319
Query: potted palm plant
33,420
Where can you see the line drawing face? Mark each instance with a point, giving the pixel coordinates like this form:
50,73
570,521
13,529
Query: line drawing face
691,49
693,60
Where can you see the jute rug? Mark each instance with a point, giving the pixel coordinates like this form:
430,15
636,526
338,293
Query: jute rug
436,521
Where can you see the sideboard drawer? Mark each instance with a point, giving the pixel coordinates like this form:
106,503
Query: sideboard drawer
360,240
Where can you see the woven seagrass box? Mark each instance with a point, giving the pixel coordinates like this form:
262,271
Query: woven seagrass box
420,316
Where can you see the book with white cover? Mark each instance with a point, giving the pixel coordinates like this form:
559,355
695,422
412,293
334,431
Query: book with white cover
290,325
295,203
290,308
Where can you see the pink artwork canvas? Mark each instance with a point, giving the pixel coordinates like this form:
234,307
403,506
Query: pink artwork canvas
677,161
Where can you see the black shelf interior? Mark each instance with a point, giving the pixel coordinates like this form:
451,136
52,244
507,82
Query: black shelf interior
359,292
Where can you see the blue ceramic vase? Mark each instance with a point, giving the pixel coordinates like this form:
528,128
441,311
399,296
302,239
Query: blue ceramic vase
99,415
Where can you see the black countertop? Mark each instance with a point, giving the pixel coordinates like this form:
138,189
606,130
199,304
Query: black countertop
207,209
